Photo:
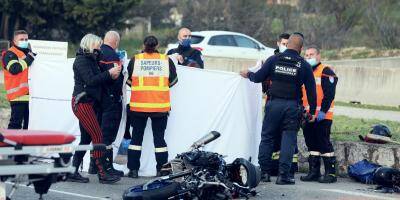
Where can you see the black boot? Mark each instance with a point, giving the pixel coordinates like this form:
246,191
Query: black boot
265,177
105,176
110,166
293,170
92,165
284,179
76,177
133,174
330,170
314,165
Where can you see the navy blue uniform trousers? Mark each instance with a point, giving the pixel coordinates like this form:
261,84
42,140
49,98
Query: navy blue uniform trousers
282,116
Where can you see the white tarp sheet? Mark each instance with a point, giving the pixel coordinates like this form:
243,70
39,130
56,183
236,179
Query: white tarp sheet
202,101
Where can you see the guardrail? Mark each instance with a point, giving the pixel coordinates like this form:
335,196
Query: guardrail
369,81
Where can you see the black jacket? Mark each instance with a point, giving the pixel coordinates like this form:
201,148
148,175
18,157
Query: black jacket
190,56
16,67
266,84
88,77
108,57
306,76
328,83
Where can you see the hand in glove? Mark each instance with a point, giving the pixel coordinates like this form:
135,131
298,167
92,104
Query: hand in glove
321,116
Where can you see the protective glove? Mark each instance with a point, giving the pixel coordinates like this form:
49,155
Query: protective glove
121,54
321,116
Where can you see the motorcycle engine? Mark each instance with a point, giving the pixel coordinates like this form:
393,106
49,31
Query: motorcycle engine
203,159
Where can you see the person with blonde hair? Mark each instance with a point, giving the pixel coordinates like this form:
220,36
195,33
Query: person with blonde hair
111,106
86,99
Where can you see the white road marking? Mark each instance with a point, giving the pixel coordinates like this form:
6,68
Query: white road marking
359,194
67,193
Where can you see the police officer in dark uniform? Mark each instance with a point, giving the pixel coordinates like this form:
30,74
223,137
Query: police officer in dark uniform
281,44
185,54
288,72
112,99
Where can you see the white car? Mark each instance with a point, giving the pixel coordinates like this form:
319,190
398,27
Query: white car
228,44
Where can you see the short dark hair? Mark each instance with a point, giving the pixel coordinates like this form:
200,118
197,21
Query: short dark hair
20,32
314,47
283,36
150,43
298,33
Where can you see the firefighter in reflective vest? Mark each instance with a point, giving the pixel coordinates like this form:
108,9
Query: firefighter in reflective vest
317,134
16,62
151,75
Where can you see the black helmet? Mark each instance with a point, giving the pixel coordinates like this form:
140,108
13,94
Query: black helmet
381,129
384,176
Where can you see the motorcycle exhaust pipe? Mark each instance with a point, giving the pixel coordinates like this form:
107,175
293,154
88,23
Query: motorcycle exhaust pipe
206,139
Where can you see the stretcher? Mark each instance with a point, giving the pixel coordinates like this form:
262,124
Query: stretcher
37,157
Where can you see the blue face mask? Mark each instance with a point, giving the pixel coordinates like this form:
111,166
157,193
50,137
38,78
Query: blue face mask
186,42
282,48
312,61
23,44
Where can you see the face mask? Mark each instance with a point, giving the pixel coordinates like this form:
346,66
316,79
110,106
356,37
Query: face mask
312,61
23,44
282,48
186,42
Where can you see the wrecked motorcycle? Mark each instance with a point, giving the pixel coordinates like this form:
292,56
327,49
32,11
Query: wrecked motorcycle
198,174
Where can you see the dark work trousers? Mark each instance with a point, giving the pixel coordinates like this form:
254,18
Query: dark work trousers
110,120
276,154
19,115
317,136
127,134
282,119
158,125
88,117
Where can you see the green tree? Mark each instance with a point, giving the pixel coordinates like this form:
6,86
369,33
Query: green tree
63,19
383,21
97,16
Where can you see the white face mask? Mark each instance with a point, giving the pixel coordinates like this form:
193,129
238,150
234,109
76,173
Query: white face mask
312,61
23,44
282,48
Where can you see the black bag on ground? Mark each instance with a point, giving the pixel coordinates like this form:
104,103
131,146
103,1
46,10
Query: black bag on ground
388,177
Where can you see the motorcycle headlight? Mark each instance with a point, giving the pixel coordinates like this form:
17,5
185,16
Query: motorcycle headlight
243,174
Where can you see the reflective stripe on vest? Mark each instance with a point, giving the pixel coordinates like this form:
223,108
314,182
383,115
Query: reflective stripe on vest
150,83
320,94
17,87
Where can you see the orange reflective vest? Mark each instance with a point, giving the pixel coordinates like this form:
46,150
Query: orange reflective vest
16,85
150,83
320,94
